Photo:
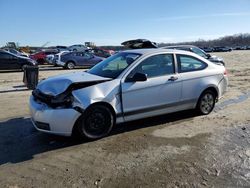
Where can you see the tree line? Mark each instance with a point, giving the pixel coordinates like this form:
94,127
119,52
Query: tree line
242,39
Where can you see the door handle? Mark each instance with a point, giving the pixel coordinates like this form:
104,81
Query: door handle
173,78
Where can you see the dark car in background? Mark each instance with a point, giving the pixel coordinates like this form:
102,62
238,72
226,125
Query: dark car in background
139,43
16,52
13,62
197,51
222,49
207,49
73,59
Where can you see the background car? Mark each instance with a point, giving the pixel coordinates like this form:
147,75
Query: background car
12,61
40,56
16,52
61,48
197,51
72,59
208,49
139,44
99,52
222,49
57,58
77,48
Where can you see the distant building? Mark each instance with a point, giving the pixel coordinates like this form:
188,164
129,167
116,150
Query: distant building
90,44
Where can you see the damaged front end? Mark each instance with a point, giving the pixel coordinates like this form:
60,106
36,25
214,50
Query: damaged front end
63,100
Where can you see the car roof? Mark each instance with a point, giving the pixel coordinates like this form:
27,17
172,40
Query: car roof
148,51
180,46
7,52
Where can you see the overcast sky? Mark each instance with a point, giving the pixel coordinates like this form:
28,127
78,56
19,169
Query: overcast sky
110,22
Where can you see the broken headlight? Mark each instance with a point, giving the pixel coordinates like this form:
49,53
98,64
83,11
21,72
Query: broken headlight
62,100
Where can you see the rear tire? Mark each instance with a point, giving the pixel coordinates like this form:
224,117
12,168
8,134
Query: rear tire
70,65
96,122
206,102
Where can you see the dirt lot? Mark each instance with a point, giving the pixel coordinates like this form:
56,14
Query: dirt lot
175,150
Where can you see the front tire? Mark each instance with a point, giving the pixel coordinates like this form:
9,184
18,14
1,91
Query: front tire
206,102
96,122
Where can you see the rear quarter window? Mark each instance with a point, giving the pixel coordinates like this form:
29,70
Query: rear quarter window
188,63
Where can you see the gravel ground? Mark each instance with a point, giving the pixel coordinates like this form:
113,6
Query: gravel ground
174,150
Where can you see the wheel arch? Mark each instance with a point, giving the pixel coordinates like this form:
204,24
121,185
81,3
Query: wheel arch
212,88
106,104
71,61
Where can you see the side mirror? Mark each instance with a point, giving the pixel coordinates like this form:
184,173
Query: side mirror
138,77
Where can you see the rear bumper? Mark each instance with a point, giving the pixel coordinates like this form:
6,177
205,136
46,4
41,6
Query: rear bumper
55,121
223,85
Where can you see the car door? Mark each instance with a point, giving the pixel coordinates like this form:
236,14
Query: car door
193,77
159,94
8,61
3,61
86,59
77,56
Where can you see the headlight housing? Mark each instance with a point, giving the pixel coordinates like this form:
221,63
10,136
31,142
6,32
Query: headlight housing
62,100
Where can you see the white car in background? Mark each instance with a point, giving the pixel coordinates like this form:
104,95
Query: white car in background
50,58
129,85
77,48
57,58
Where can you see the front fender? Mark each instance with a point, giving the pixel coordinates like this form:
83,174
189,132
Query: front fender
108,92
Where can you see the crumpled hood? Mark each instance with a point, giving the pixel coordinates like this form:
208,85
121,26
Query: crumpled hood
58,84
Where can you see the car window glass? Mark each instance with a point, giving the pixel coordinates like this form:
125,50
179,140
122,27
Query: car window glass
199,52
13,51
157,65
117,64
188,63
86,55
78,54
114,66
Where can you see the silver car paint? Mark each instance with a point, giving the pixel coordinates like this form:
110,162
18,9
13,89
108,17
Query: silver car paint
58,84
61,120
168,96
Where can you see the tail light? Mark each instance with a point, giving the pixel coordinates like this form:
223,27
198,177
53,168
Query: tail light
225,72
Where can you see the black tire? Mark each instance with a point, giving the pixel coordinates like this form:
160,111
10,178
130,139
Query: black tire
23,67
96,122
206,102
70,65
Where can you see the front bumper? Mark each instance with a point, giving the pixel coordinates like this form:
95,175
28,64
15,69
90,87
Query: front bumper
58,121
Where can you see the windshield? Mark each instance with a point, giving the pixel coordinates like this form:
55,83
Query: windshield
113,66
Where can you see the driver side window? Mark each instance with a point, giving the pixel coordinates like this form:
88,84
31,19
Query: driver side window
157,65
